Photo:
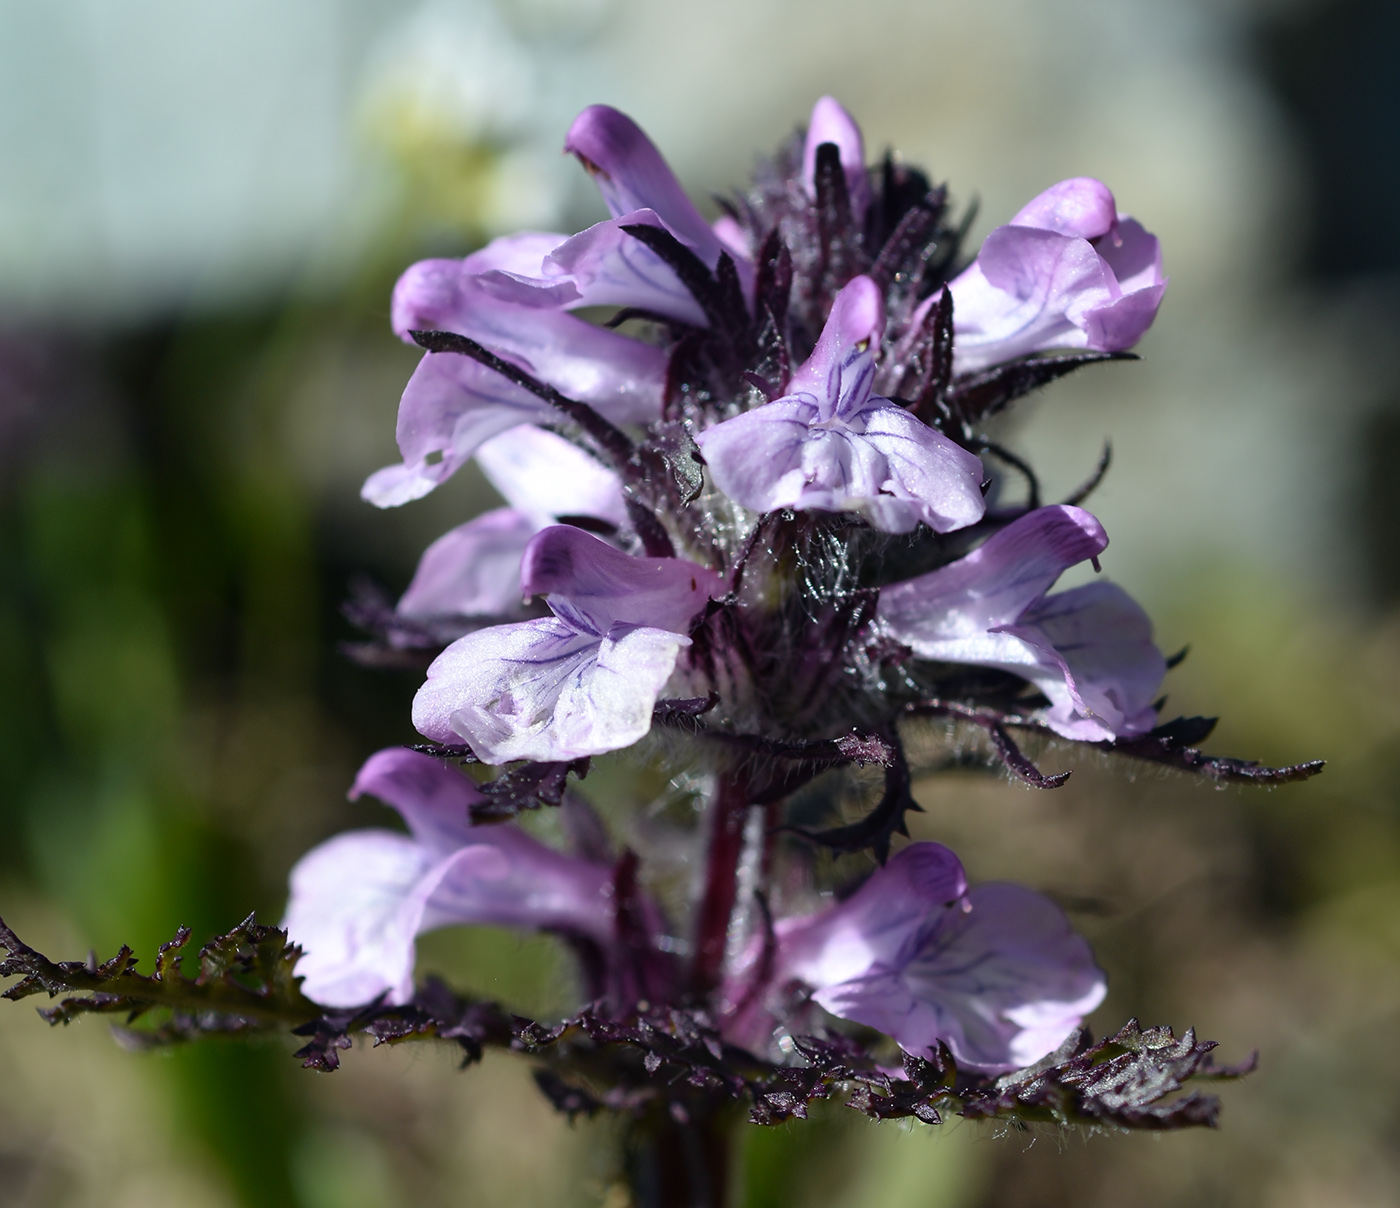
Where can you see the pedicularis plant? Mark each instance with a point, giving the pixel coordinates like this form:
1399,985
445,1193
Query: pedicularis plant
747,540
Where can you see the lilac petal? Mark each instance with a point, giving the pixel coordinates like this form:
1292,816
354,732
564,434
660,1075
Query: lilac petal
473,570
508,879
632,175
1121,324
1039,283
595,586
606,266
853,328
522,253
1082,207
622,377
1002,984
543,475
929,478
884,464
831,123
1112,670
1027,291
1133,255
757,458
434,799
450,407
428,294
541,690
830,445
355,907
945,613
359,901
453,404
874,925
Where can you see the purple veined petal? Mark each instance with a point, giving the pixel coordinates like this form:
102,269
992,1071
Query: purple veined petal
543,475
831,445
359,901
608,267
450,407
633,175
882,464
1081,207
472,570
425,296
541,690
622,377
453,404
939,613
1112,669
428,294
756,458
1002,984
831,123
1028,291
506,878
877,923
355,906
595,586
851,334
534,292
514,881
434,799
936,480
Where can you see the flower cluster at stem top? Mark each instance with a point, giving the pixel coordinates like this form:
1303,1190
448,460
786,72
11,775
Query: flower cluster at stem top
753,500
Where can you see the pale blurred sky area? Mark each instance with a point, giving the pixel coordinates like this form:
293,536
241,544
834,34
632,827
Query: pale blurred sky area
162,154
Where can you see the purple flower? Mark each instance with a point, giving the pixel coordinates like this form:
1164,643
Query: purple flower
581,682
996,973
830,445
1089,650
830,123
453,404
359,900
1068,271
632,175
474,570
601,266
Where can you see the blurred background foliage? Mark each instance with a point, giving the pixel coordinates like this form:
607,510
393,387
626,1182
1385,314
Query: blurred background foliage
202,211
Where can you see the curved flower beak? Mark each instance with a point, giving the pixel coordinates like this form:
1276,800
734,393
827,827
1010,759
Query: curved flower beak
359,900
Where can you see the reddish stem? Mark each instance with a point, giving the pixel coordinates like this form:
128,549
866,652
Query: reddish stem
728,810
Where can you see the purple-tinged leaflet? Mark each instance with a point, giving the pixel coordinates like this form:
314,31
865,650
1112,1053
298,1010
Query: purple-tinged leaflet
1067,271
831,445
1089,650
359,900
581,682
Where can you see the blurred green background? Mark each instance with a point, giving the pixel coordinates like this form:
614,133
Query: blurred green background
202,210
